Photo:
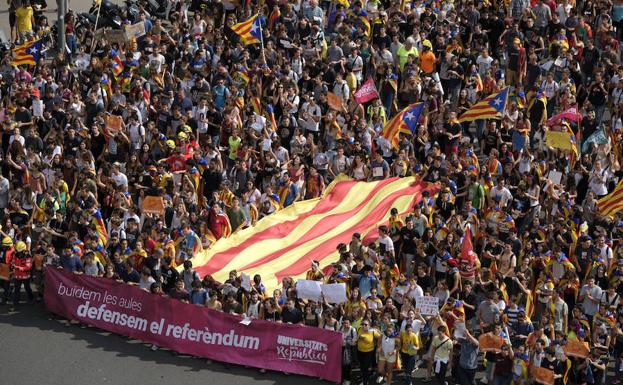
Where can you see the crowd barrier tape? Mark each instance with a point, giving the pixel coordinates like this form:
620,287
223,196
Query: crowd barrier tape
191,329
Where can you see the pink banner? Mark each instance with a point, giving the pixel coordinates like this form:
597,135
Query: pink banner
571,114
366,92
192,329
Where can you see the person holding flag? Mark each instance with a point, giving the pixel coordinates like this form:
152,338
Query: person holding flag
404,122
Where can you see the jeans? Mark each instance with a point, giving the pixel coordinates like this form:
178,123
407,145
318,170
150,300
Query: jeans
465,376
408,364
502,379
17,290
72,44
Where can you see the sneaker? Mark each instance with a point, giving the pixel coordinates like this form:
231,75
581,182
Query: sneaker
418,363
379,379
154,347
345,382
11,308
208,362
262,371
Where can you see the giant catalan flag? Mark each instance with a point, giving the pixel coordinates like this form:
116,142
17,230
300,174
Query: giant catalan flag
250,31
491,107
27,53
285,243
611,203
404,122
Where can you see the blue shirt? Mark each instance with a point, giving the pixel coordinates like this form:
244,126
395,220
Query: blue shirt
220,96
469,354
71,263
198,297
294,190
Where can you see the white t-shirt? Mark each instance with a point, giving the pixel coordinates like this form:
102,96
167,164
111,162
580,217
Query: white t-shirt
199,114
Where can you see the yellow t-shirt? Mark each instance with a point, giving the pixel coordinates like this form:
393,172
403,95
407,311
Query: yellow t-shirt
365,342
403,53
234,143
410,343
24,19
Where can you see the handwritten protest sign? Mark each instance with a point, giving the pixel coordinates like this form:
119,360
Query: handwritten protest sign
334,292
307,289
153,205
114,123
427,305
490,343
134,31
115,36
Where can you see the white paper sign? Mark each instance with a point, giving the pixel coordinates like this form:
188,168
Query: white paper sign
37,108
555,176
459,330
334,292
427,305
307,289
245,282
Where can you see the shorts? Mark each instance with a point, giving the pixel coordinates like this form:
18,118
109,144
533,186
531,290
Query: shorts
12,18
387,358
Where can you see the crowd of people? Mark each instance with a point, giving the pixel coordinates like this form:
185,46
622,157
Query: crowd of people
227,133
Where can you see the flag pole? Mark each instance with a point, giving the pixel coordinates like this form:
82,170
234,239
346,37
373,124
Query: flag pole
97,18
262,41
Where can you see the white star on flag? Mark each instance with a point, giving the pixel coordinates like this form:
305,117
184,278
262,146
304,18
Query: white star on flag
497,101
254,27
409,115
32,50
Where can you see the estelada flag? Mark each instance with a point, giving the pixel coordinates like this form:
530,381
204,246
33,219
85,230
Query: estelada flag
491,107
405,122
366,92
249,31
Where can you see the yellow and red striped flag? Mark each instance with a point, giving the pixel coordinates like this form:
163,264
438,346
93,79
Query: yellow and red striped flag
257,105
285,243
249,31
491,107
611,203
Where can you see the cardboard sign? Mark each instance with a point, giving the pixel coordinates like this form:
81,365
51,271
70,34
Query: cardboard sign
114,123
335,102
575,348
490,343
542,375
307,289
427,305
334,292
153,205
134,31
115,36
